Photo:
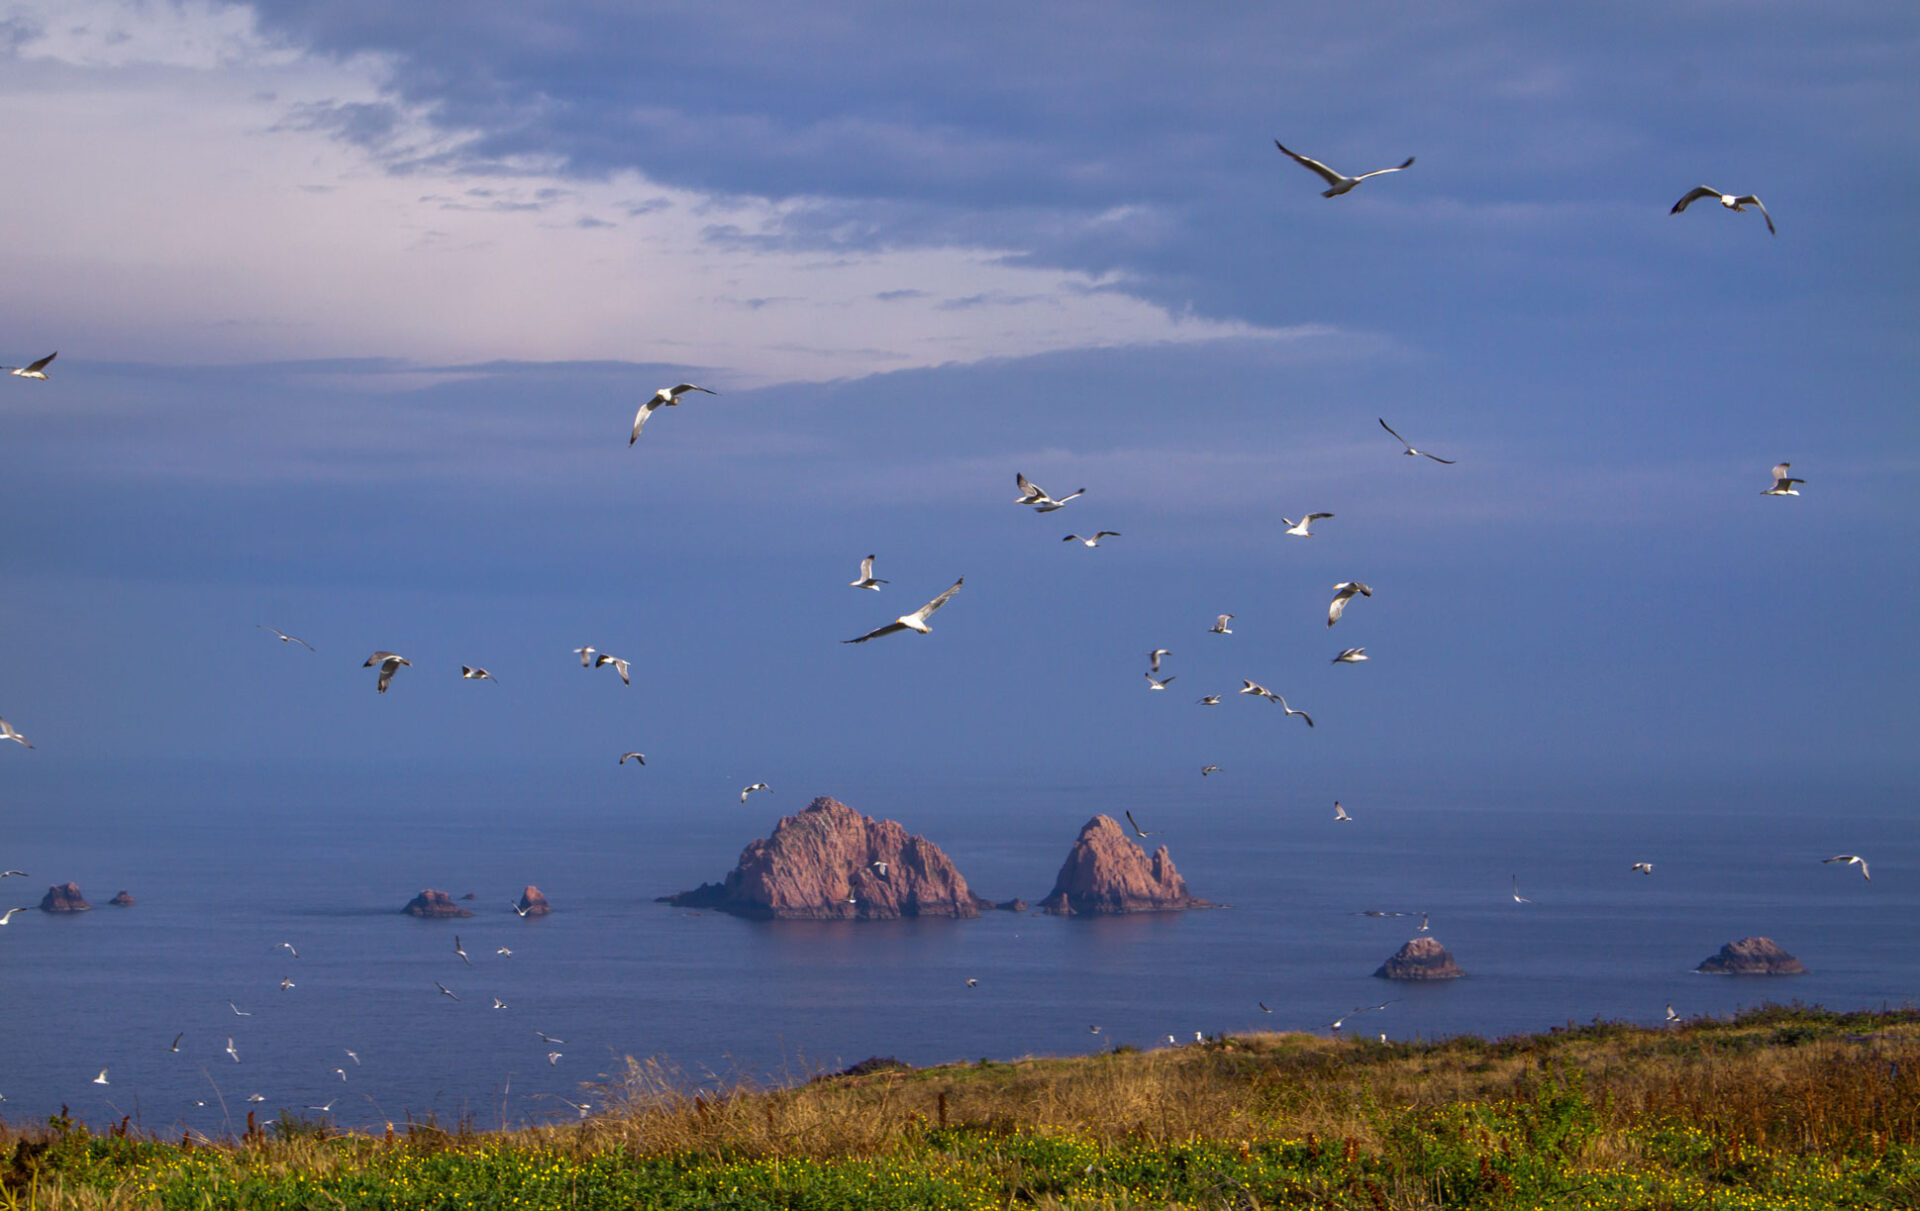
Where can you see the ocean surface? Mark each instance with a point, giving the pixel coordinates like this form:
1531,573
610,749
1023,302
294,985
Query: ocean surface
226,865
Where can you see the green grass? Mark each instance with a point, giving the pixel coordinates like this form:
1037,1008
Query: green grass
1780,1108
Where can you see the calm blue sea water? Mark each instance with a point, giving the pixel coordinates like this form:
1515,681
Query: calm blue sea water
225,866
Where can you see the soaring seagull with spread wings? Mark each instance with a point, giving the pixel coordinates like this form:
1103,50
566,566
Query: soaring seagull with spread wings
1095,540
867,579
1783,482
389,665
1220,626
758,786
619,666
1304,527
469,673
7,733
35,370
286,638
1141,832
640,757
1351,656
1342,594
1725,199
1411,452
1850,860
665,397
1153,684
916,621
1337,183
1340,813
1033,494
1281,699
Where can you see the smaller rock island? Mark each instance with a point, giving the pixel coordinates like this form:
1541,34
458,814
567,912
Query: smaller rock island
533,903
432,903
1752,957
123,899
1422,958
1106,874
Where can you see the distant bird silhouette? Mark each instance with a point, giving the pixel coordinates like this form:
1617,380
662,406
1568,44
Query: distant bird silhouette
102,1078
1337,183
549,1039
1340,813
389,665
1209,700
8,915
445,991
640,757
586,655
1725,199
1517,897
461,951
1411,452
553,1058
1095,540
1153,659
1645,868
1850,860
1138,831
619,666
1782,482
175,1045
469,673
867,579
1351,656
1154,684
1209,769
1220,626
239,1012
1281,699
286,638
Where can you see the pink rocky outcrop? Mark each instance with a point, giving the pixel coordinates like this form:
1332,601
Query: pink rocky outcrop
431,903
122,900
1106,873
533,903
64,897
1752,957
830,862
1423,958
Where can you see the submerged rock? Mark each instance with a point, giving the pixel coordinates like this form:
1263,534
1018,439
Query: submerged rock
432,903
829,862
122,900
533,903
1107,874
1752,957
64,897
1422,958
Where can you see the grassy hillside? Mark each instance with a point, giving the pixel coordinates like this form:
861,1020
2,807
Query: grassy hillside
1780,1108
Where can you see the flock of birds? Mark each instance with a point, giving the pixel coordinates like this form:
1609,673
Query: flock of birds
1031,495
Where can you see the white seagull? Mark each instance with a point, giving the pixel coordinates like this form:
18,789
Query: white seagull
1255,688
1340,813
1289,710
1517,897
1157,685
286,638
640,757
102,1078
472,674
553,1057
619,666
1209,700
34,370
1153,658
1342,594
389,665
231,1051
586,655
1032,494
1850,860
445,991
1645,868
1782,482
1209,769
1304,527
867,579
1095,540
1220,626
288,947
7,733
1411,452
8,915
1725,199
498,1003
461,951
239,1012
665,397
287,984
916,621
1351,656
1141,832
748,790
1671,1015
1337,184
549,1039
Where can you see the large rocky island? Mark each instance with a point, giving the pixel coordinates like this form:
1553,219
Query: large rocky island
1752,957
1107,874
1422,958
829,862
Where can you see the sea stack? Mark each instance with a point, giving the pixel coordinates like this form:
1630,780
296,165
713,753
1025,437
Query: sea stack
1422,958
431,903
1752,957
533,903
123,899
64,897
829,862
1106,874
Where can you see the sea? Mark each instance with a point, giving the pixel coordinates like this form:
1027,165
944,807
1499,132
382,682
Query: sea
226,864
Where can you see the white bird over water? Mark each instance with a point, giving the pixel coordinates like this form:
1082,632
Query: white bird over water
1411,452
389,665
1304,527
1671,1015
1033,494
472,674
1517,897
619,666
1340,813
288,947
640,757
8,915
445,991
230,1050
1095,540
1220,626
665,397
239,1012
286,638
1157,685
1725,199
1351,656
1209,769
867,579
1645,868
1850,860
1337,183
102,1078
758,786
1342,594
916,621
34,370
7,733
461,951
1782,482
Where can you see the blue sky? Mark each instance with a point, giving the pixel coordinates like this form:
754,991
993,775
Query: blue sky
355,302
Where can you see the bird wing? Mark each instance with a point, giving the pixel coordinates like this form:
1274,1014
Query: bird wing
1407,163
377,658
640,417
1337,607
1107,534
889,629
683,388
866,568
1389,428
620,667
927,611
1028,489
1326,174
1317,516
1694,195
1438,459
1750,200
46,361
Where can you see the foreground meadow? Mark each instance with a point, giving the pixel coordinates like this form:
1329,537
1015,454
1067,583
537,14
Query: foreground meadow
1779,1108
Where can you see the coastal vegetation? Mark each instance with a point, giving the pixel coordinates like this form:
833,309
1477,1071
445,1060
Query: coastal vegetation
1780,1107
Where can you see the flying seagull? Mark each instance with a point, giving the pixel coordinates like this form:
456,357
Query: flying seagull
748,790
239,1012
286,638
665,397
1671,1015
35,370
1141,832
1342,594
553,1057
586,655
287,984
972,982
352,1055
389,665
288,947
1304,527
1263,1007
472,674
1209,769
1850,860
1220,626
882,868
1032,494
1782,482
1095,540
550,1040
1424,927
522,911
445,991
1209,700
102,1078
1645,868
1411,452
1517,897
1340,813
1337,184
7,733
640,757
256,1097
326,1109
1255,688
498,1003
619,666
916,621
1153,658
175,1045
461,951
1351,656
1289,710
8,915
1157,685
503,952
231,1051
8,874
1725,199
867,579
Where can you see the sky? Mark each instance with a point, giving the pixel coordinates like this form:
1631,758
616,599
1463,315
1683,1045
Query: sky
354,303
